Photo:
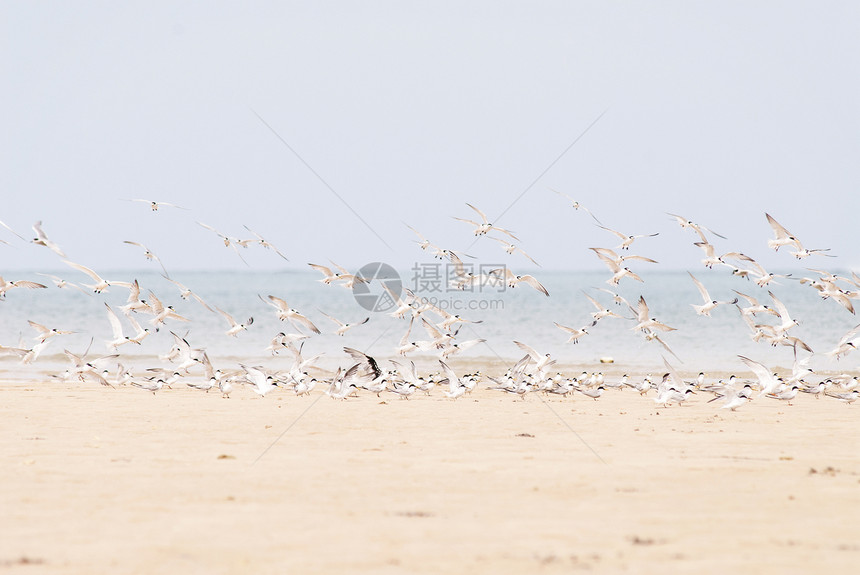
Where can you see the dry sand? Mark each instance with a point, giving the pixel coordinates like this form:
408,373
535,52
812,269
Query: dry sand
98,480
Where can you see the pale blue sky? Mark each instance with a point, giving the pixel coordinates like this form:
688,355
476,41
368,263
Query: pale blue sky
716,111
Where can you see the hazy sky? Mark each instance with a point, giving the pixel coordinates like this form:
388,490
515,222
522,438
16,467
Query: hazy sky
403,111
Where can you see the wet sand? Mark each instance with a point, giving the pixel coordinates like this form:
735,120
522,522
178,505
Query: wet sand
117,480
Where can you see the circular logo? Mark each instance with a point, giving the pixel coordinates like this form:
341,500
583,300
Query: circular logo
377,287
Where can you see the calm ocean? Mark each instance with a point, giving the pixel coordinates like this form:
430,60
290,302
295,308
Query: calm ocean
521,313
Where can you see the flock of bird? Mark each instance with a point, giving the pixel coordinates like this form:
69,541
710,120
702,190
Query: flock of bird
191,366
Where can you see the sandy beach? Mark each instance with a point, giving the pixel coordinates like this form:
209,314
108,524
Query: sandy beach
102,480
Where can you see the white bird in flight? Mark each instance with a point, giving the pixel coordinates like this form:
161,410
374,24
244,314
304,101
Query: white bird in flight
485,225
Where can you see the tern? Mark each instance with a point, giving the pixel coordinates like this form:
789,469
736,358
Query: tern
455,387
512,280
285,312
485,226
644,319
6,286
116,327
261,382
228,241
186,293
576,205
626,240
754,307
782,236
162,312
685,223
330,276
511,248
768,382
42,240
601,312
847,398
423,242
574,333
62,284
45,333
786,395
148,254
709,303
101,284
261,241
154,206
153,386
235,327
342,326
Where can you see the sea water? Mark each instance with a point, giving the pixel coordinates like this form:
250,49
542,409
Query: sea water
505,314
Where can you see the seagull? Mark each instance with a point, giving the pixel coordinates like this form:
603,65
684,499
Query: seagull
154,206
626,240
42,240
485,226
284,312
709,303
344,327
6,286
148,254
235,327
101,284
